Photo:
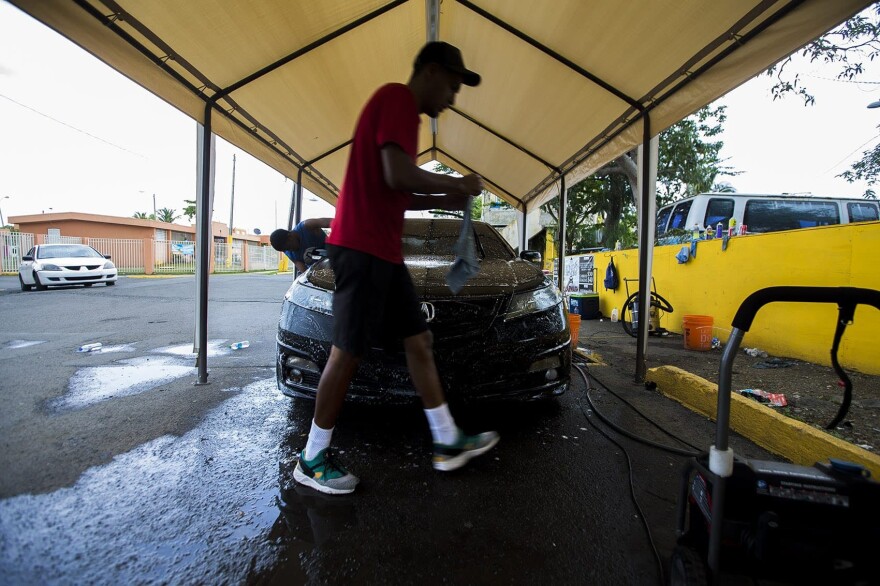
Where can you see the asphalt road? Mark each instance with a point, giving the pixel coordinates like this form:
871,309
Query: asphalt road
116,468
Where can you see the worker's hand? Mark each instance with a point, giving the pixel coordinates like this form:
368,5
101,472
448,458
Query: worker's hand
472,184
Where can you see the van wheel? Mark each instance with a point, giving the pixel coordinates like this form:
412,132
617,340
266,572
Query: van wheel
23,286
37,283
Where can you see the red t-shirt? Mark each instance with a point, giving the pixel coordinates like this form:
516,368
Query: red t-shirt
369,214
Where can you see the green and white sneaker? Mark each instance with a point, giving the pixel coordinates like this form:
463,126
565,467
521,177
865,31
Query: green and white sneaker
324,473
452,457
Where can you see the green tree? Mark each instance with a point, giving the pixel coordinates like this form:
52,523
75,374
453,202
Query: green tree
848,47
143,216
190,209
476,207
688,163
166,215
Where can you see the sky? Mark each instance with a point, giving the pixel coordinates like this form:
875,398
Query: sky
76,136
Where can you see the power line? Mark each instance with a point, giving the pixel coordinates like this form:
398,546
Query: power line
72,127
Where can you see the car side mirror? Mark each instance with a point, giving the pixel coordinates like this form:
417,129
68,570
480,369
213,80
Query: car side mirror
315,254
27,257
107,256
533,256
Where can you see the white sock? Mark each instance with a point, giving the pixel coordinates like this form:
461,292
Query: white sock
319,439
443,427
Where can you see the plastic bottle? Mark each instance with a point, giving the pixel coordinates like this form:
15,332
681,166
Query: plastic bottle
90,347
710,233
719,230
614,315
617,245
731,228
695,232
240,345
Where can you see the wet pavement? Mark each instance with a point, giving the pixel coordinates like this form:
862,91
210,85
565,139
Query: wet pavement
117,469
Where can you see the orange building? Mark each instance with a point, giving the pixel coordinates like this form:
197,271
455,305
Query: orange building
74,224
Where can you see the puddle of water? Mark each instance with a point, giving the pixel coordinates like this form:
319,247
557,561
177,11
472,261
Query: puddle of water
13,344
117,348
215,348
186,510
128,377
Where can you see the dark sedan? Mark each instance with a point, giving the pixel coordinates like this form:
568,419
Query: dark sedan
504,336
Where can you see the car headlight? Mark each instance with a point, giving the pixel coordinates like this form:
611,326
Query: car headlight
310,298
109,265
533,301
46,267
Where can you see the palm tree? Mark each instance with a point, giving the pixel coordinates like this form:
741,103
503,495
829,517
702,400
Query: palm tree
166,215
143,216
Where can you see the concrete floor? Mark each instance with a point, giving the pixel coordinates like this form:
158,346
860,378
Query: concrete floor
118,470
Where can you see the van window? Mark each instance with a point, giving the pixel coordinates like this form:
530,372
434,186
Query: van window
662,218
862,211
680,215
778,214
718,210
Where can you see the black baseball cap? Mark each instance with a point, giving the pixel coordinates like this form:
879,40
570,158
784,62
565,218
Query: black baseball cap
449,57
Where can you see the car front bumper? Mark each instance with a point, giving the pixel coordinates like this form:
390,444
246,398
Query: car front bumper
518,360
58,278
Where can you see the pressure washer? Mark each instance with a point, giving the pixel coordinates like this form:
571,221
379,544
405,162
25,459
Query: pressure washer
773,520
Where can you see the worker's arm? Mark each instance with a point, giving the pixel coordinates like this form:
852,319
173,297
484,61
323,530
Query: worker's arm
317,223
402,174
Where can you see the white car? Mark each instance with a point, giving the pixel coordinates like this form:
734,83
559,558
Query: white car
48,265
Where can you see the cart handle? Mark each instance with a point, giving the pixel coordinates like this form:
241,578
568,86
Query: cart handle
843,296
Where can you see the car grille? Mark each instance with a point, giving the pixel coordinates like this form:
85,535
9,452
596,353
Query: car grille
455,318
82,267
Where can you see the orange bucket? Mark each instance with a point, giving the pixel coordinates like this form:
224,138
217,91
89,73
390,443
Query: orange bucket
574,324
697,332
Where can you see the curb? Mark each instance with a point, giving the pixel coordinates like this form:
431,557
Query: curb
796,441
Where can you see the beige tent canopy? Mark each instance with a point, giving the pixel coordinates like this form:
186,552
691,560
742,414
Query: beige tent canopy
567,84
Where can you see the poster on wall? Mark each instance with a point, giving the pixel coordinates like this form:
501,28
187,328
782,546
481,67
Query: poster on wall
579,274
586,271
572,274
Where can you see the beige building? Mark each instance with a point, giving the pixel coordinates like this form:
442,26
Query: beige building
98,226
158,238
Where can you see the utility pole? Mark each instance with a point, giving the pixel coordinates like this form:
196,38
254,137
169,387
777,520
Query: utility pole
231,210
155,217
232,198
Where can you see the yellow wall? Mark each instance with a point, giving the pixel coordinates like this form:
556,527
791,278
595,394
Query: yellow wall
715,283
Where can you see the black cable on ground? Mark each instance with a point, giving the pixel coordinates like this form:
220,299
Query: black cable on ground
632,488
631,435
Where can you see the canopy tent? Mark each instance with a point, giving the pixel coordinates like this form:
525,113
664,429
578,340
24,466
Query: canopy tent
568,85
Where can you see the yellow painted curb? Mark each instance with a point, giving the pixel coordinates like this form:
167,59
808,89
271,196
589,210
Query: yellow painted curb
796,441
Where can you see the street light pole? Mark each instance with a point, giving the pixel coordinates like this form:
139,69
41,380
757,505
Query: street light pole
155,217
2,223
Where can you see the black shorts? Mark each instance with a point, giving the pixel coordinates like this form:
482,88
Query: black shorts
375,302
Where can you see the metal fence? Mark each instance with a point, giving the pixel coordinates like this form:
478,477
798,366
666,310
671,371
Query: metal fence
14,245
126,254
262,258
174,256
227,258
130,255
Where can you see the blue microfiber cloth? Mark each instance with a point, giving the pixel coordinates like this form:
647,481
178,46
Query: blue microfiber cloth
683,255
465,264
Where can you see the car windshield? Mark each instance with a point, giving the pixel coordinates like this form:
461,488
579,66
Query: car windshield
68,251
423,237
